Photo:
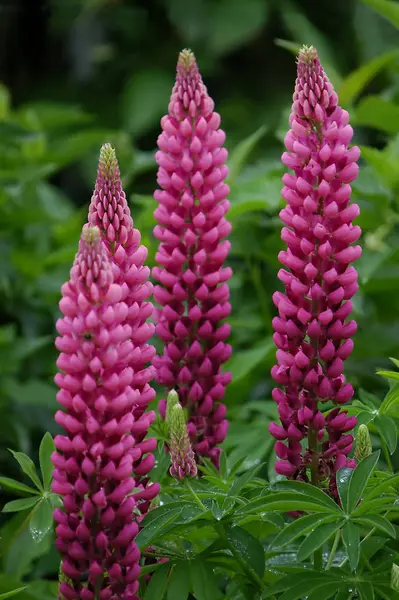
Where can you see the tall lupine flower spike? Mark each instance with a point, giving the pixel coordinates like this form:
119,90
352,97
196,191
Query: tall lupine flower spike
181,453
312,332
193,291
110,212
94,460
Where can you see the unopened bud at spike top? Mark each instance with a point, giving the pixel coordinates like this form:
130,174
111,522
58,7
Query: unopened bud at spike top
181,453
193,292
312,330
171,402
363,443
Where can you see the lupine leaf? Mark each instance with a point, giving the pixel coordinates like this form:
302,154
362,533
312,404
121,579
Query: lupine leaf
359,480
351,538
45,451
28,468
317,538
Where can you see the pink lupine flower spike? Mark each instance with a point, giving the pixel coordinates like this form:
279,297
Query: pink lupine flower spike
313,332
193,291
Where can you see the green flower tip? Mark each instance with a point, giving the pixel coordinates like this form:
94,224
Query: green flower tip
178,429
108,163
395,577
91,235
186,60
307,55
171,402
363,443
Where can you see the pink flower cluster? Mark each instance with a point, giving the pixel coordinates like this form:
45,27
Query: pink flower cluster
103,461
193,291
312,330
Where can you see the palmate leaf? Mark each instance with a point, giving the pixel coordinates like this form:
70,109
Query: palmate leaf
157,586
248,547
179,582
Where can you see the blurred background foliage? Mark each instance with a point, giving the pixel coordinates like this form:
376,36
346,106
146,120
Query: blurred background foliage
77,73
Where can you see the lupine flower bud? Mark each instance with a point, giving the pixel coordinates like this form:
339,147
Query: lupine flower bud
181,453
395,577
110,212
363,447
171,401
312,330
193,292
96,457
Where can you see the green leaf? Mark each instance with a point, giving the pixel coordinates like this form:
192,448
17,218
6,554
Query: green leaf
351,538
12,484
354,84
300,527
365,590
41,520
359,480
241,151
157,586
233,23
203,581
285,502
144,99
382,487
21,504
309,491
379,522
45,451
248,547
299,592
390,404
179,582
158,526
386,427
379,113
326,591
244,361
389,374
28,468
318,538
13,592
387,9
298,580
242,481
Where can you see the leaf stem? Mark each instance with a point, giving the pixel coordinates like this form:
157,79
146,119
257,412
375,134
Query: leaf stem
194,495
333,550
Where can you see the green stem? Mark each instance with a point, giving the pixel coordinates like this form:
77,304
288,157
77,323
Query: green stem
245,566
333,550
386,455
194,495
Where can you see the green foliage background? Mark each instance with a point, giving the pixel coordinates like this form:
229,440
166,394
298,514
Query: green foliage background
78,73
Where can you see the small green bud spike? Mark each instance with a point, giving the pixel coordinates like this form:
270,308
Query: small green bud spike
182,457
395,577
186,59
178,429
171,402
363,443
307,55
108,163
91,235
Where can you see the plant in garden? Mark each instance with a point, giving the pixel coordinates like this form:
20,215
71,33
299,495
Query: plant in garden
312,334
193,292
